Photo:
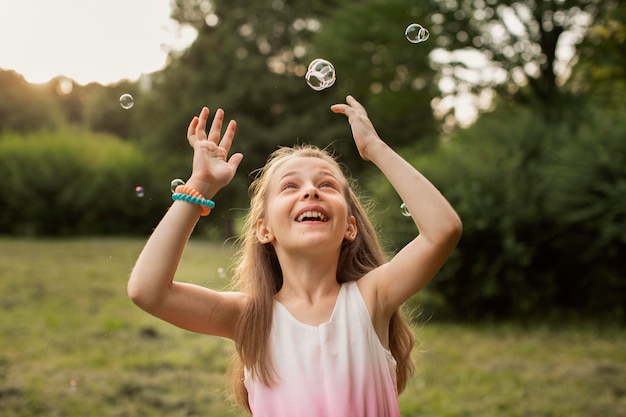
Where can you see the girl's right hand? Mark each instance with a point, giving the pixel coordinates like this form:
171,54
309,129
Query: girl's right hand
211,168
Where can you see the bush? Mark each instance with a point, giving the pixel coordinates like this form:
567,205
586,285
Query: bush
588,184
77,183
543,214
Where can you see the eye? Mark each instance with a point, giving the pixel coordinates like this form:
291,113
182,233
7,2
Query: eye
288,185
328,184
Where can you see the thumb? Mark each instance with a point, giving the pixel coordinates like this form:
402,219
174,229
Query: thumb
235,160
338,108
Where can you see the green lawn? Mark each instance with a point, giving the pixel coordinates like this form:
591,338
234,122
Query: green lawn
72,344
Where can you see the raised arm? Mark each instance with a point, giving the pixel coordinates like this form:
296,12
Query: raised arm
438,224
151,285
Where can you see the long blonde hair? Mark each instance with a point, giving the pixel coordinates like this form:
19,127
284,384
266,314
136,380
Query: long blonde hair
258,274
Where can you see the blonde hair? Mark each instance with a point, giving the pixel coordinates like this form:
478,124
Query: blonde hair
258,274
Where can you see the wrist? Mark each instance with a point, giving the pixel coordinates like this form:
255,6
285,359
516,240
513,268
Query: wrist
183,192
376,149
205,188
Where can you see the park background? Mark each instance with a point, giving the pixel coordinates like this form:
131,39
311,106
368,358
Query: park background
514,109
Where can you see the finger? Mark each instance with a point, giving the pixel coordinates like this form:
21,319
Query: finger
216,126
235,160
191,130
229,135
354,103
351,100
339,108
201,126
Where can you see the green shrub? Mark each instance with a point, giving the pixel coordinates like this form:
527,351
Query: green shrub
75,182
543,214
587,204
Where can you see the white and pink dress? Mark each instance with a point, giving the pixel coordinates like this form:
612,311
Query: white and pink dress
336,369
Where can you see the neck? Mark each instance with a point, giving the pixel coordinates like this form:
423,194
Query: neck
308,277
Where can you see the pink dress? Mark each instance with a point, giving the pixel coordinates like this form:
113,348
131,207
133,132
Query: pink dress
336,369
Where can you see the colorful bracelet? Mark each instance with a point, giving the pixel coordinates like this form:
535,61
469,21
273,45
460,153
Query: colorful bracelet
189,195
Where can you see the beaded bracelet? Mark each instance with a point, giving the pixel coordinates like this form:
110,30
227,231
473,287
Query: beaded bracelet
189,195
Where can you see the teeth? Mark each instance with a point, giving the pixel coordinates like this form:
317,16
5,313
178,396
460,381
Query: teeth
311,215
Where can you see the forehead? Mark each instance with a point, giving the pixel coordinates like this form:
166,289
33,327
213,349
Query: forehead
304,165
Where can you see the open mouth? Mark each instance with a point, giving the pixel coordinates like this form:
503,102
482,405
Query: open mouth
312,216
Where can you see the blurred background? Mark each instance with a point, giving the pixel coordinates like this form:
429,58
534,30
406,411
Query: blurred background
514,109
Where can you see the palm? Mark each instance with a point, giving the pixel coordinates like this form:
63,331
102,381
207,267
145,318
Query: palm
363,130
210,160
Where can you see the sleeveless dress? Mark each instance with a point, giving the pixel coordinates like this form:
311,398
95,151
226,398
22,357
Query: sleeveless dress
336,369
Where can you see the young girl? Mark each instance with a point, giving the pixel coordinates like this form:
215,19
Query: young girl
316,317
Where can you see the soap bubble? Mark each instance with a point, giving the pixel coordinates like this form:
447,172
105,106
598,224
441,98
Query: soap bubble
139,191
175,183
127,101
415,33
320,74
221,272
405,210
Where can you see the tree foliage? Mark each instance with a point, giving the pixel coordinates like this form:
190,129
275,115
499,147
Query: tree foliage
375,62
522,49
25,107
541,203
245,60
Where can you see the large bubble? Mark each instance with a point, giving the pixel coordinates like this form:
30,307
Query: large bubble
415,33
320,74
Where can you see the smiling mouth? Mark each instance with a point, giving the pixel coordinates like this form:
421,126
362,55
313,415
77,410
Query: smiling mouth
312,216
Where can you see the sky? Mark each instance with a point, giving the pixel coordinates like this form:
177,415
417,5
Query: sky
102,41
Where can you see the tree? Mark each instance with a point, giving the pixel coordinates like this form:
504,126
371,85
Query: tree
25,107
601,70
244,61
524,49
375,62
103,111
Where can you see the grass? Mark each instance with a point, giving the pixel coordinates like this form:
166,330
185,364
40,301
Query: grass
72,344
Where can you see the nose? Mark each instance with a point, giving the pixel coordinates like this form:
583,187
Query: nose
311,193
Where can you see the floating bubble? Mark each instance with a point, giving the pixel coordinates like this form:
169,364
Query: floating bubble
405,210
415,33
127,101
221,272
320,74
175,183
139,191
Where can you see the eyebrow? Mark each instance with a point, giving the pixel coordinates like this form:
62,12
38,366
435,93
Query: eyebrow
295,173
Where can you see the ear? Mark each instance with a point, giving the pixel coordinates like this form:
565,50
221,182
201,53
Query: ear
351,229
263,233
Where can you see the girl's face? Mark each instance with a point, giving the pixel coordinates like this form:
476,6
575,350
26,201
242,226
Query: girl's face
306,207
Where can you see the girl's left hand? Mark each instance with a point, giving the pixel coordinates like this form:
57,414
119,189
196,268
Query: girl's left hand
363,130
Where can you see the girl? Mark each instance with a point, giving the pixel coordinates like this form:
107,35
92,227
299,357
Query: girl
316,317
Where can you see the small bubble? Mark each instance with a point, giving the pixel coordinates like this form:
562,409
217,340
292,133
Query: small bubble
127,101
415,33
175,183
320,74
73,385
405,210
139,191
221,272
